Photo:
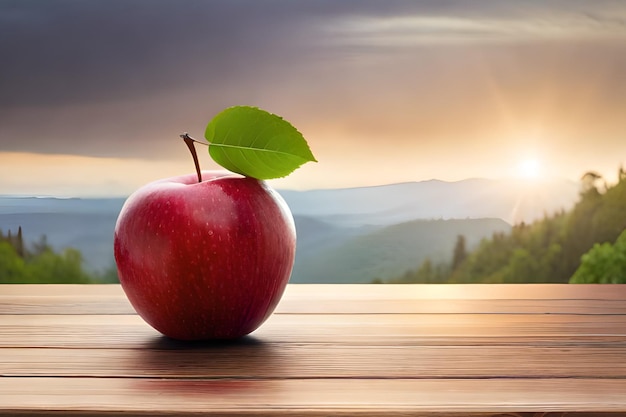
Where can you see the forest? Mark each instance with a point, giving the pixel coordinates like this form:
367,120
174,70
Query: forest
41,264
586,244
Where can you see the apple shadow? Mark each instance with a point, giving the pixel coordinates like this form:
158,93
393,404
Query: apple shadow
165,343
207,367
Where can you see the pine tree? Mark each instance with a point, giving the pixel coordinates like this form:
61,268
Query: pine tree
460,252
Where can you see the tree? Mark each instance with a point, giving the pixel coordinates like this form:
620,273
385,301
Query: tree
16,241
41,246
12,266
425,273
108,276
605,263
460,252
42,264
589,181
63,268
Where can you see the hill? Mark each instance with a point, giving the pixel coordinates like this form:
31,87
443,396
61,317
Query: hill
513,201
333,226
84,224
391,250
550,249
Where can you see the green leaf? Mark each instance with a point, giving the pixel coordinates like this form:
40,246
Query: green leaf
255,143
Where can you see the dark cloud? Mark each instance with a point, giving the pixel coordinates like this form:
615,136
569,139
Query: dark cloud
61,51
69,51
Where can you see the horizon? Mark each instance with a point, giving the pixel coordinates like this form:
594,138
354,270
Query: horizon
513,201
525,183
385,92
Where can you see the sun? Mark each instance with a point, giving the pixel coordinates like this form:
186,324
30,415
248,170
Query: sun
529,169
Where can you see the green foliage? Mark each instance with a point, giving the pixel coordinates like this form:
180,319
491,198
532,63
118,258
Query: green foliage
255,143
63,268
460,252
427,273
550,250
603,264
12,267
392,250
42,265
108,276
44,268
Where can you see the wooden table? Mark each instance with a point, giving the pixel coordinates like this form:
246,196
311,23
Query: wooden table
332,350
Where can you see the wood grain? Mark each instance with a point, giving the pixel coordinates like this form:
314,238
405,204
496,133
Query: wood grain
351,292
348,299
347,350
313,396
119,305
342,329
256,359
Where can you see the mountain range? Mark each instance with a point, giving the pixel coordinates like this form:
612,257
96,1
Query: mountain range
513,201
344,235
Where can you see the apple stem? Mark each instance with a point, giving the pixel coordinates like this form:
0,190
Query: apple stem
189,141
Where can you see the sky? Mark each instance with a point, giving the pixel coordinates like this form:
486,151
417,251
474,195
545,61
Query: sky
95,93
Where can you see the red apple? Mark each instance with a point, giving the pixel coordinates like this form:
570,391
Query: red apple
205,260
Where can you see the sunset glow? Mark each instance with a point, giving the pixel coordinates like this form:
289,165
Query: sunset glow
384,92
530,169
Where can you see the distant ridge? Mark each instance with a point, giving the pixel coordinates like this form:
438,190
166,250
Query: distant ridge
511,200
390,251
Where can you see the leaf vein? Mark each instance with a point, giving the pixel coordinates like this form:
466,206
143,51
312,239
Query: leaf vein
248,148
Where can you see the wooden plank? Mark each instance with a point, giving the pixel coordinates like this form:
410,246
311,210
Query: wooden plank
342,329
346,299
329,350
269,360
119,305
452,306
403,323
310,397
54,290
65,304
371,292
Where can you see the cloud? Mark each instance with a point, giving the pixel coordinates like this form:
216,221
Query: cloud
517,22
68,51
75,51
71,175
122,78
